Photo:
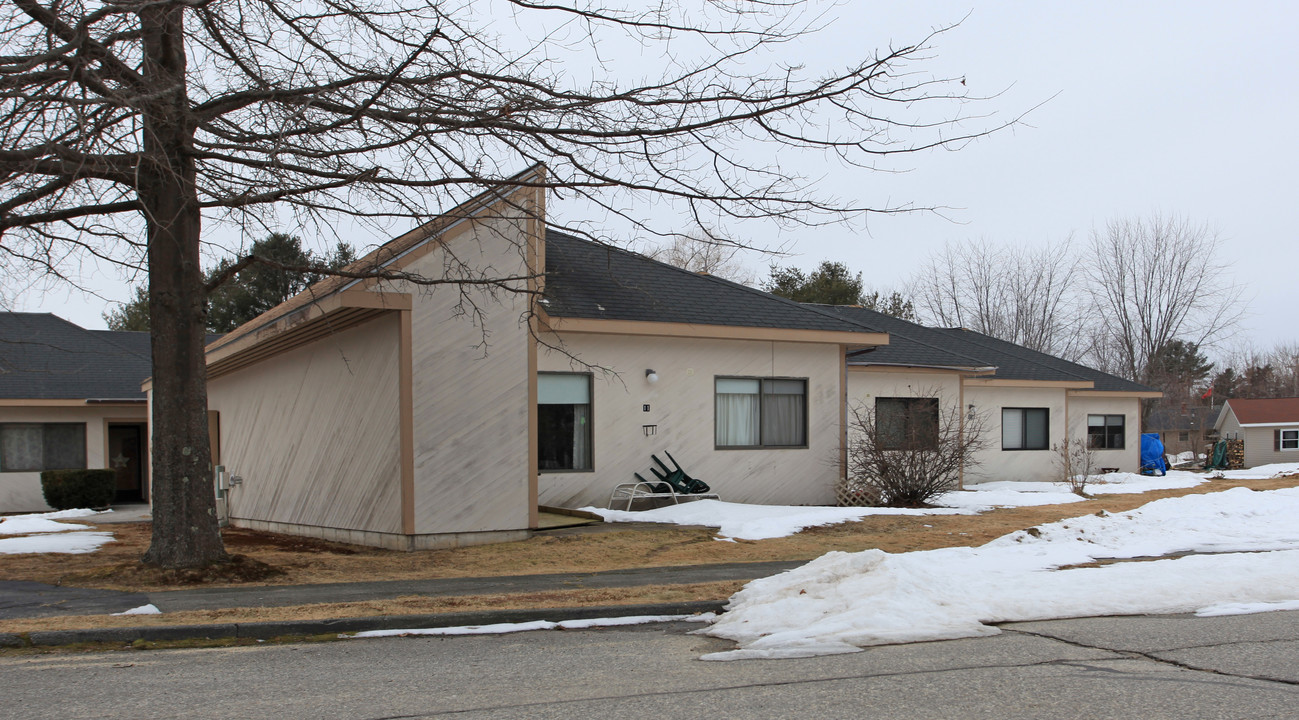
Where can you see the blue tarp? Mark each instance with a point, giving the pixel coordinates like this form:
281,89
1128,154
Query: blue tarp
1152,455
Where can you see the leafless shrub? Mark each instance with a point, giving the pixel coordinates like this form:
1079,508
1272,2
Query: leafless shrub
1075,461
907,459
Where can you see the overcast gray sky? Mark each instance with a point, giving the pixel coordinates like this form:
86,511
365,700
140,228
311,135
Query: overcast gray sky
1183,108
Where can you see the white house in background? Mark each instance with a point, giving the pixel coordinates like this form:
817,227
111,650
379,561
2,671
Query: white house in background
69,398
380,413
1269,427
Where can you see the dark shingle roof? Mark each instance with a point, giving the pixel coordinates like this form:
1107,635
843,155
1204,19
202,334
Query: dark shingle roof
1017,362
910,345
919,346
585,279
44,357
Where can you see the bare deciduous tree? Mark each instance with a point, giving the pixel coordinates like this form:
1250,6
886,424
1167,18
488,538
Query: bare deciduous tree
701,253
126,126
1021,295
1153,281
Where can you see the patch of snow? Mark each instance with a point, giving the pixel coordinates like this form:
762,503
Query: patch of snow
1008,493
1245,608
502,628
27,524
1262,472
843,602
738,521
1130,483
149,609
70,543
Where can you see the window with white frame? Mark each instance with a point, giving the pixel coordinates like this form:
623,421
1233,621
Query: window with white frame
32,447
1025,428
761,412
564,421
1287,439
1105,432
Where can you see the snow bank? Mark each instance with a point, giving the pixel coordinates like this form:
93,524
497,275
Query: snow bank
27,524
843,602
758,522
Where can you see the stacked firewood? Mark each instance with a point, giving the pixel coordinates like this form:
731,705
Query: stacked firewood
1235,454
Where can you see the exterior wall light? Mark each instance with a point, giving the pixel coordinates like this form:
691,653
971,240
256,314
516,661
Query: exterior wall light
651,376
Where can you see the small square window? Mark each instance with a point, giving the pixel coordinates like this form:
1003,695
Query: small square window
1025,428
1105,432
1289,440
906,423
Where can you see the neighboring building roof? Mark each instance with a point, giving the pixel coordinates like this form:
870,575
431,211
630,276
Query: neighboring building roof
913,345
585,279
44,357
1265,411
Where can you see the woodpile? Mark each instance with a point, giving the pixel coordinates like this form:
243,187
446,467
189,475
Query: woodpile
1235,454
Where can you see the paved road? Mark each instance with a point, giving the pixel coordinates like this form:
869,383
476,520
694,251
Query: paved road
1145,667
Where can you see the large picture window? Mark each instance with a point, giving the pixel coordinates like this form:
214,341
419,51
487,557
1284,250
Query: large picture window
906,423
1105,432
564,421
32,447
761,412
1025,428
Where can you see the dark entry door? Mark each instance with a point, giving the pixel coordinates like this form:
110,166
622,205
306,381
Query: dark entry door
126,456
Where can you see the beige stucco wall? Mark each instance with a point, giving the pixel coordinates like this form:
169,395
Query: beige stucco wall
1127,459
470,380
682,407
866,384
997,464
21,491
313,432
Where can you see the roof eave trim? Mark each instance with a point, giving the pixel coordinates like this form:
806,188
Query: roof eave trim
954,368
1147,394
562,325
1291,423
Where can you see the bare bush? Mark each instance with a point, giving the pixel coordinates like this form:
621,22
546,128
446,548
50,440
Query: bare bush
1075,460
903,452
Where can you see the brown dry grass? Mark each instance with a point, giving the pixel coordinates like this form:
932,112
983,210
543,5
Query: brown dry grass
304,561
406,605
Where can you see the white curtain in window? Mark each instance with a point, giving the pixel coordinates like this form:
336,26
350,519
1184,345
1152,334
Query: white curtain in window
783,412
737,412
1012,429
21,447
581,437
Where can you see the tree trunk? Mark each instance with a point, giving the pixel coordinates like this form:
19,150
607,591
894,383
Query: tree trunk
185,529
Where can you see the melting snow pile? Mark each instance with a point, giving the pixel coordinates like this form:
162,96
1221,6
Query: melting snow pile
758,522
42,534
843,602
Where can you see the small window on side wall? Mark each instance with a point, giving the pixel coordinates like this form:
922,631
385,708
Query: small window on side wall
1025,428
563,421
1105,432
1287,439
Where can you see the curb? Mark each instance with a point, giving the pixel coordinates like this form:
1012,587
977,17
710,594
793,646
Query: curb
279,628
